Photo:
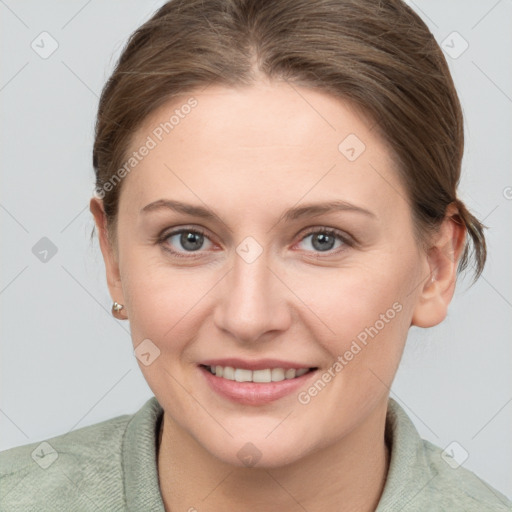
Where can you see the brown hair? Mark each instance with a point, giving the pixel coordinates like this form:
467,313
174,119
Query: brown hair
380,56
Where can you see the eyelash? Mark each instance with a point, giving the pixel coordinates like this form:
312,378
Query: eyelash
162,239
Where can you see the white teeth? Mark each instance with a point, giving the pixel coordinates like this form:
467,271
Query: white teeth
290,374
242,375
277,374
229,373
262,376
265,376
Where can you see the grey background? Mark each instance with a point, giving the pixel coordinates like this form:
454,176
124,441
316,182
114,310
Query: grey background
66,363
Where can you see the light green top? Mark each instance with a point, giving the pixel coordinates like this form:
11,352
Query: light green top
111,466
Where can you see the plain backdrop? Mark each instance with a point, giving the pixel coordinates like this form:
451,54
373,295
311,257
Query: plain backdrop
66,363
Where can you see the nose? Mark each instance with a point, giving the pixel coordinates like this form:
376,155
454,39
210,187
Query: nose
253,301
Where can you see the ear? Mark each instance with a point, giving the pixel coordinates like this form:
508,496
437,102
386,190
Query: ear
442,259
108,250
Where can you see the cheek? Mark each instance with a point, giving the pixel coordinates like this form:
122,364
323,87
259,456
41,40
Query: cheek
369,316
346,301
365,314
165,309
164,302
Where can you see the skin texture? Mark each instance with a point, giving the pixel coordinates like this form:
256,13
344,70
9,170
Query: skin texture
248,155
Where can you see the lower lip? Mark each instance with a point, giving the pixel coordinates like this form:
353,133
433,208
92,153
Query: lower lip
254,393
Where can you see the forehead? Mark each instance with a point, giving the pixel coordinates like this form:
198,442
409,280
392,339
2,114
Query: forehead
262,144
265,114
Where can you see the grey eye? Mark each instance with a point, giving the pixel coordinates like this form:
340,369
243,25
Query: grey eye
188,240
322,241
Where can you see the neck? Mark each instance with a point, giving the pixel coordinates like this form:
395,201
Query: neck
347,476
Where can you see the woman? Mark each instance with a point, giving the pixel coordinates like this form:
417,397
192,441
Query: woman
276,204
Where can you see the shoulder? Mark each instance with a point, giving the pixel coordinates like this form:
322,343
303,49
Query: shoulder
422,476
458,488
77,470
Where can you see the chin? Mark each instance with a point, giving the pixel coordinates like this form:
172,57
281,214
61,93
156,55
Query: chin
260,453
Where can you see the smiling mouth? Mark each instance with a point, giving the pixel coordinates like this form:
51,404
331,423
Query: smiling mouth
259,376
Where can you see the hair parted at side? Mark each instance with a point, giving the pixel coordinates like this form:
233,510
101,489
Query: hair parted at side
380,56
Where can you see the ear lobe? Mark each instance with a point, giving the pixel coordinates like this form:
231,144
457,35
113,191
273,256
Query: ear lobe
108,251
442,257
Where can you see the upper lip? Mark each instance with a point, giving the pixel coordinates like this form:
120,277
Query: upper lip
256,364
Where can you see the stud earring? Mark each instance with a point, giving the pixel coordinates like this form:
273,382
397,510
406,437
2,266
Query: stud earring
116,311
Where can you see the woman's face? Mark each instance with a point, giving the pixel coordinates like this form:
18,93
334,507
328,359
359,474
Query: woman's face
264,281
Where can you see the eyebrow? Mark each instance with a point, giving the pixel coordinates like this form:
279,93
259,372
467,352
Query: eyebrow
308,210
